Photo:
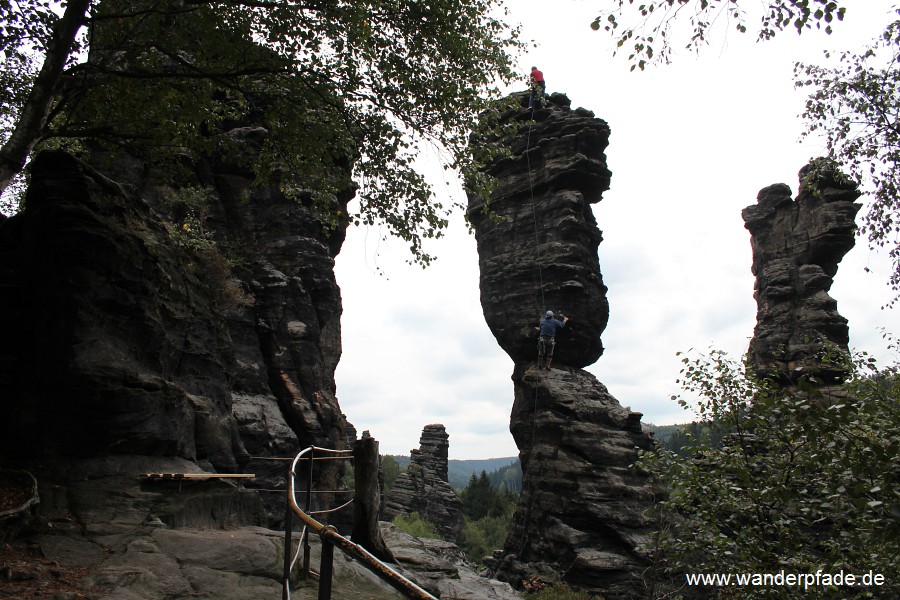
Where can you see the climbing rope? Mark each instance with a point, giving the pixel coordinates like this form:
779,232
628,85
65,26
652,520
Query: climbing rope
537,246
527,474
537,251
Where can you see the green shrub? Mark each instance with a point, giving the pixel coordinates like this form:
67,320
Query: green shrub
561,591
800,483
391,471
416,526
188,209
480,538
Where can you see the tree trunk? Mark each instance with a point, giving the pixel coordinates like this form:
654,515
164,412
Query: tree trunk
32,120
367,500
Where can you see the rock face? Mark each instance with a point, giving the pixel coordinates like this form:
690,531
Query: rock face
442,569
112,345
424,489
126,349
114,536
797,245
120,338
537,237
580,515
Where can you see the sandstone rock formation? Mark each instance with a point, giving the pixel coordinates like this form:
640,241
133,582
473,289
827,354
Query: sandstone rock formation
581,510
111,345
424,489
126,352
113,536
797,245
120,339
442,568
580,514
537,237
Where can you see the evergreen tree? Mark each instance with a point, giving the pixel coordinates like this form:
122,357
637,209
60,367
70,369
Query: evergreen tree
391,470
507,479
480,499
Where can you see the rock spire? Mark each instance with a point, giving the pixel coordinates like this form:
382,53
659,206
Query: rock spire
424,487
537,236
797,245
580,515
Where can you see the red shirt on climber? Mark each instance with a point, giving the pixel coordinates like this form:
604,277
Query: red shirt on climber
538,87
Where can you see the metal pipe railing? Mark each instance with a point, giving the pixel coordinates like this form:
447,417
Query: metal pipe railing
330,538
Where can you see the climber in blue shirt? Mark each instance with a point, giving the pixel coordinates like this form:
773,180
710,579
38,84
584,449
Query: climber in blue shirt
547,339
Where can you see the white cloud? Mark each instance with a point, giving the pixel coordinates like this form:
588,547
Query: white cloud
692,144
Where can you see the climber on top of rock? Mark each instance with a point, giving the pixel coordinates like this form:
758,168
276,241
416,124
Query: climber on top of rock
538,87
547,339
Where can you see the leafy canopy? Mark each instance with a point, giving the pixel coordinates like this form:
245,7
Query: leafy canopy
855,107
649,29
800,481
361,81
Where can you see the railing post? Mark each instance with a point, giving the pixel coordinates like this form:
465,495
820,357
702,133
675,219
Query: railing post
367,498
288,526
307,551
330,538
325,569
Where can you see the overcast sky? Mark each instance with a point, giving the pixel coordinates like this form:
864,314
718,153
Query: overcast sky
692,144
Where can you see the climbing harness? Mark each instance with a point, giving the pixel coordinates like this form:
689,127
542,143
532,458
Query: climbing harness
537,94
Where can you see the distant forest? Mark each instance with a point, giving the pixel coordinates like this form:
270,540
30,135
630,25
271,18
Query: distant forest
505,474
676,437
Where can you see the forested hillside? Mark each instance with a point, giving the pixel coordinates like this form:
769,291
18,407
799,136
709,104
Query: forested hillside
459,471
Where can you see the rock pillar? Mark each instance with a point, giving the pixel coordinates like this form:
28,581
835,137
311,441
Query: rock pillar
538,238
797,245
580,515
424,489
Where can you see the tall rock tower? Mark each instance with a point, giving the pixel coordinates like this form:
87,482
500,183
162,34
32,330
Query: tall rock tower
797,245
537,236
121,341
424,487
580,516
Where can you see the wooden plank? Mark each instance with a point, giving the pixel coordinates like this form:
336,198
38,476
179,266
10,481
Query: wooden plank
199,475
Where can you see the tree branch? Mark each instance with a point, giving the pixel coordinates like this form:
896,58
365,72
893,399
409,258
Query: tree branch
33,117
